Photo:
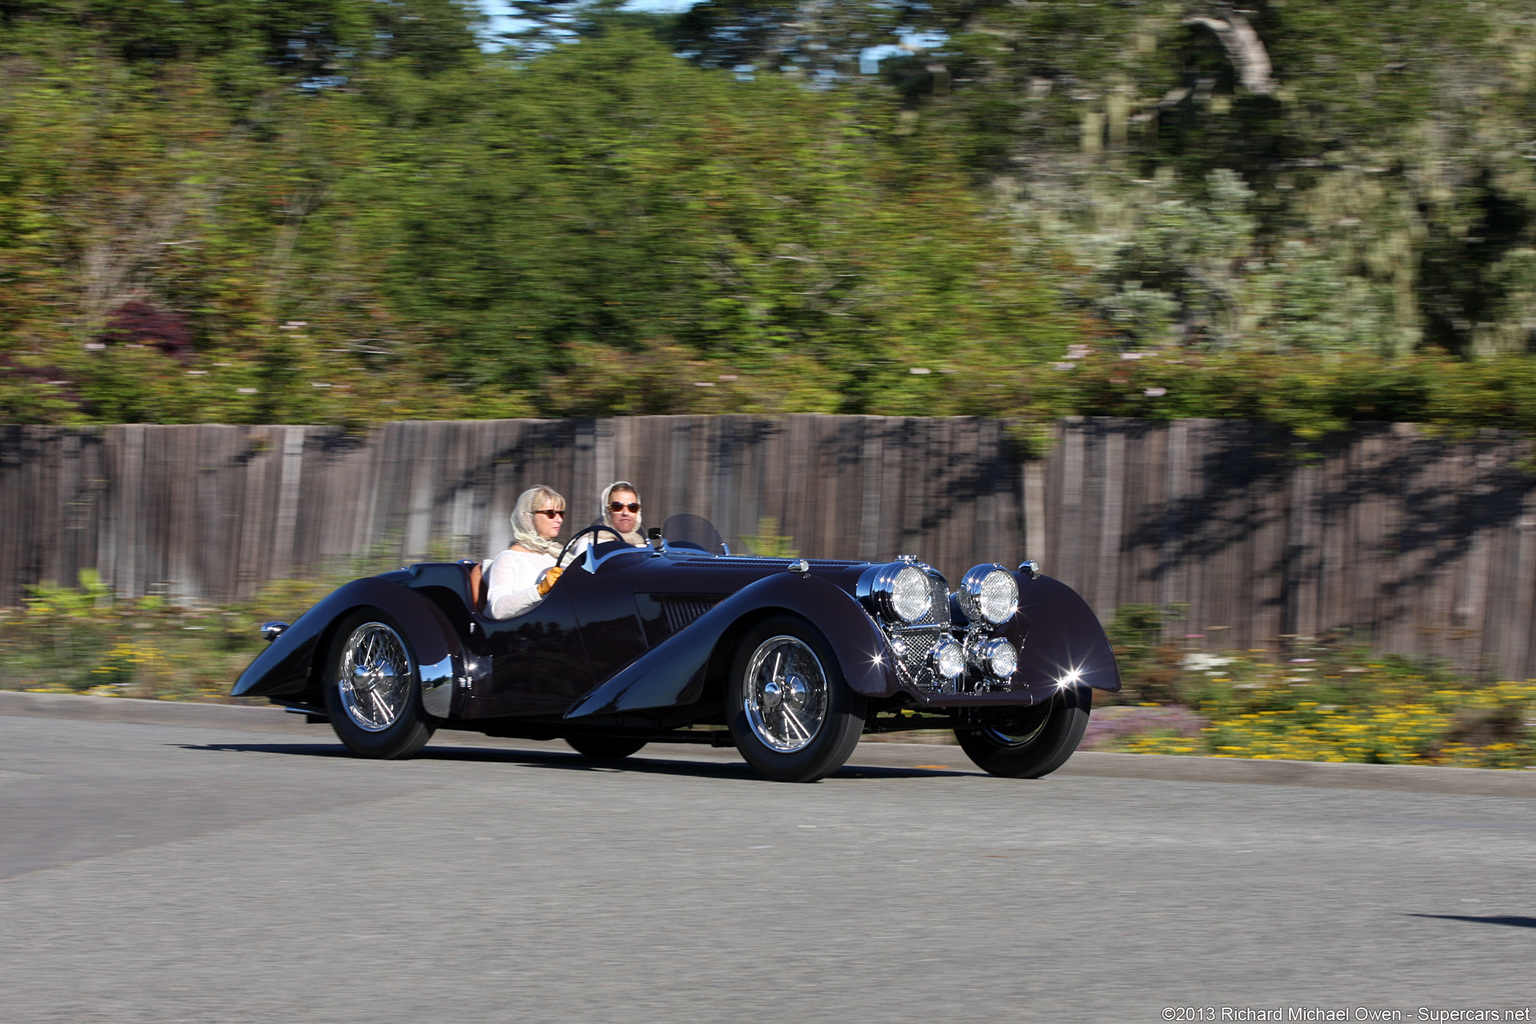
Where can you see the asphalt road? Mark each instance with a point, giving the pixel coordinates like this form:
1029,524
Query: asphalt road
230,864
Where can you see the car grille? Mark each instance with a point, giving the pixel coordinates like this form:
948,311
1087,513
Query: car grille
916,642
681,611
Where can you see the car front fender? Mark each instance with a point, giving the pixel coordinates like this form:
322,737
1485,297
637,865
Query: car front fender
289,664
670,673
1059,639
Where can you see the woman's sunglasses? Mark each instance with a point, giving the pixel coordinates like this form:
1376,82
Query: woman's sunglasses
619,506
552,513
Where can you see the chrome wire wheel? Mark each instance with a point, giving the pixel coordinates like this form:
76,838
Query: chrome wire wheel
785,694
374,681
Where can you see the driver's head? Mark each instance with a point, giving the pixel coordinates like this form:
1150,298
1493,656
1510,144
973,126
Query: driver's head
621,510
538,517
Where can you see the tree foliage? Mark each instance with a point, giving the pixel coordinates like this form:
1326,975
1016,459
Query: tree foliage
351,210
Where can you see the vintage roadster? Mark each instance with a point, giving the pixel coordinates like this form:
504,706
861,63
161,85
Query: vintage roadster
788,660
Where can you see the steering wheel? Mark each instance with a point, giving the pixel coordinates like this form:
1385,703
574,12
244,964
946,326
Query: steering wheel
594,529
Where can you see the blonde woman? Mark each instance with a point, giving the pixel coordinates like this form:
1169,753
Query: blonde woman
520,576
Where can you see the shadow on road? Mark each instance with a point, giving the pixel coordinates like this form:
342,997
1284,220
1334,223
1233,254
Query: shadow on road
561,760
1513,922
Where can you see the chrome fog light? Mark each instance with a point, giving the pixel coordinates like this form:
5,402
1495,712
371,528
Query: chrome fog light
949,658
988,593
997,656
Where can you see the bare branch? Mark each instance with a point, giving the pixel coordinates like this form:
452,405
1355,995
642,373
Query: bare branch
1244,49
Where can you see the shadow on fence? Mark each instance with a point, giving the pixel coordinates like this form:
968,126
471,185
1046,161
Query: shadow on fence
1417,545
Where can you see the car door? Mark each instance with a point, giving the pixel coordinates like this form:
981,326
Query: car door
537,659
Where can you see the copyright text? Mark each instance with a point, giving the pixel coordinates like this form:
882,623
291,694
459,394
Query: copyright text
1201,1014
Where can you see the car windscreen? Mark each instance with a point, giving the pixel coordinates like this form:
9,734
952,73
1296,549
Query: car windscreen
690,531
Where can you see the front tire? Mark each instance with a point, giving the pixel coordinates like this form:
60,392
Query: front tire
1028,742
372,688
789,710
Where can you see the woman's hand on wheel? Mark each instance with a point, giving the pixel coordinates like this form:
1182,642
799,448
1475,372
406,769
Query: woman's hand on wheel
548,579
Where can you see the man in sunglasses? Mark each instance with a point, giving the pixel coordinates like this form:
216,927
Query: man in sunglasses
621,510
618,508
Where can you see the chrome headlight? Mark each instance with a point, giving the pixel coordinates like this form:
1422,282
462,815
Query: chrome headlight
997,656
988,593
949,658
902,592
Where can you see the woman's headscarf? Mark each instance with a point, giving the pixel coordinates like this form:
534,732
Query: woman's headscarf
523,531
637,536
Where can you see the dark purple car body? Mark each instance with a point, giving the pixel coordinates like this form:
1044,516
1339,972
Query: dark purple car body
789,660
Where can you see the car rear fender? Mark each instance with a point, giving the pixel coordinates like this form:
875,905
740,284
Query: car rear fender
292,663
672,672
1059,638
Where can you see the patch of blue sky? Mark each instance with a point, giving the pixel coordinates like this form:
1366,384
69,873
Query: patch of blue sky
503,18
502,15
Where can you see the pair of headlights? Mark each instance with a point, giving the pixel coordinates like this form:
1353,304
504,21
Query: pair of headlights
987,593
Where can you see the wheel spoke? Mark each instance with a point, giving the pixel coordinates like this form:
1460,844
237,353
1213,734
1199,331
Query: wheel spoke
793,721
381,709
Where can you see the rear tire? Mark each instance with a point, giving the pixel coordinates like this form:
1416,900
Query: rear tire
605,748
372,688
789,709
1028,742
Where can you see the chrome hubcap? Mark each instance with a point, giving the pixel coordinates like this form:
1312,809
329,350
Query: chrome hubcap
375,678
785,696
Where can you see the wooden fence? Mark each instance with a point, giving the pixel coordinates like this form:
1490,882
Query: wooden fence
1418,546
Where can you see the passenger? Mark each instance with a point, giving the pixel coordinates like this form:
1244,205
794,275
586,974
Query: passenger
520,576
620,505
619,508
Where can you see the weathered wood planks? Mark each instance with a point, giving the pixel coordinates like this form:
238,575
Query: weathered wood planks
1411,544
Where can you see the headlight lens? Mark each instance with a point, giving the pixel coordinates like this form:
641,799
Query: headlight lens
949,657
1002,659
907,593
996,657
989,593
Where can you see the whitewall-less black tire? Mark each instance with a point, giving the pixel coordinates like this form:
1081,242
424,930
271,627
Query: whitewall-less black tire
1028,742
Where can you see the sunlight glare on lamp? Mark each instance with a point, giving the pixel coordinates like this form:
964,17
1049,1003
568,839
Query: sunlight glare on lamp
1072,677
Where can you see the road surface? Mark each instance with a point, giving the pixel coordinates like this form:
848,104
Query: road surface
164,863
